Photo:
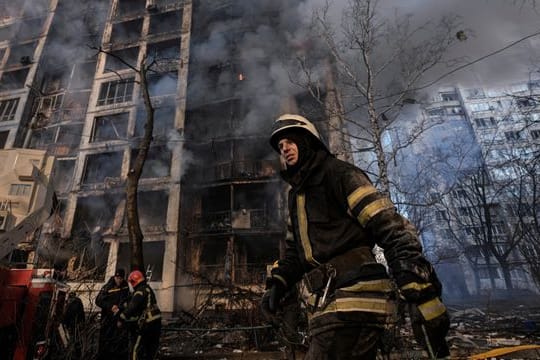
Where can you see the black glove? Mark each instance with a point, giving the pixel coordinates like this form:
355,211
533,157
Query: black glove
272,297
430,323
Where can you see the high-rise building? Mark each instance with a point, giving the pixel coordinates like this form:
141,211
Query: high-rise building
211,205
481,153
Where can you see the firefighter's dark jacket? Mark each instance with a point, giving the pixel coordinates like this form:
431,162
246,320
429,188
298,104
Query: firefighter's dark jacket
142,306
110,295
335,210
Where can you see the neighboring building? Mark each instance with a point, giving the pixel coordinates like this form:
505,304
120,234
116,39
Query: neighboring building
211,204
481,133
26,198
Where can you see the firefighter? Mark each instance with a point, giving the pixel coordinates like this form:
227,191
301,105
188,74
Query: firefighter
113,342
143,318
336,217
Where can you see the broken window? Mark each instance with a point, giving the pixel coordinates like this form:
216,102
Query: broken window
69,135
33,8
3,138
48,108
83,76
8,108
215,210
41,138
162,84
128,56
163,121
130,7
21,55
96,211
165,22
63,175
164,50
110,127
6,32
113,92
153,209
157,164
30,29
253,254
75,104
214,119
254,207
102,166
10,9
126,32
154,253
13,80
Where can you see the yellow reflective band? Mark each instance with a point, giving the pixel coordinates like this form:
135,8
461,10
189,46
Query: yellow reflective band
378,306
373,209
136,348
151,317
138,292
115,290
280,278
303,228
359,194
415,286
383,285
432,309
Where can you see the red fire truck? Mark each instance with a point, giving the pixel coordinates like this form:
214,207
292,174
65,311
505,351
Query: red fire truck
30,309
30,305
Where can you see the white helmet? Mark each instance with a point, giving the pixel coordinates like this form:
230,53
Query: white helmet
292,121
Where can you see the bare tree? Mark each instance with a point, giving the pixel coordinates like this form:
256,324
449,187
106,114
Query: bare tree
378,62
135,233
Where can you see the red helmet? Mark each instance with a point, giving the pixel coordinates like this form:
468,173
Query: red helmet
135,278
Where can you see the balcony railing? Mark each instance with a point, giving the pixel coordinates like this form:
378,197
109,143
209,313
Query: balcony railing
244,274
239,170
225,221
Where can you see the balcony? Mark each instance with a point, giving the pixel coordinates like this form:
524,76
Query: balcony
229,221
238,170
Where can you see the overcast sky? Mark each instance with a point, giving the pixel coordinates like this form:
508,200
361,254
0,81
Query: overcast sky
490,25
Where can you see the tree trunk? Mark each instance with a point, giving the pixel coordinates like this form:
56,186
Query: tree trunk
134,227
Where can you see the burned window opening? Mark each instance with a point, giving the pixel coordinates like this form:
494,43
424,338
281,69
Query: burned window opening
6,32
163,84
154,254
69,135
128,55
75,104
41,138
110,127
48,109
13,80
117,91
63,175
163,122
34,8
8,109
3,138
103,168
164,51
157,164
96,213
153,210
130,7
126,32
166,22
214,120
21,55
10,9
83,75
30,29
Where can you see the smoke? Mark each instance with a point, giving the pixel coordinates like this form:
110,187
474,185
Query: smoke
489,26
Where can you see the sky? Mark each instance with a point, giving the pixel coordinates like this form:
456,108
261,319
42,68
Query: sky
489,24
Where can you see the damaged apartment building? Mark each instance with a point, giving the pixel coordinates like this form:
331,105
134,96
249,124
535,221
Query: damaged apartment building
212,207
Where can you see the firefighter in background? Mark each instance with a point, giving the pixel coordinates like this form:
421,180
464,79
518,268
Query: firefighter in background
113,341
74,320
143,318
336,218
